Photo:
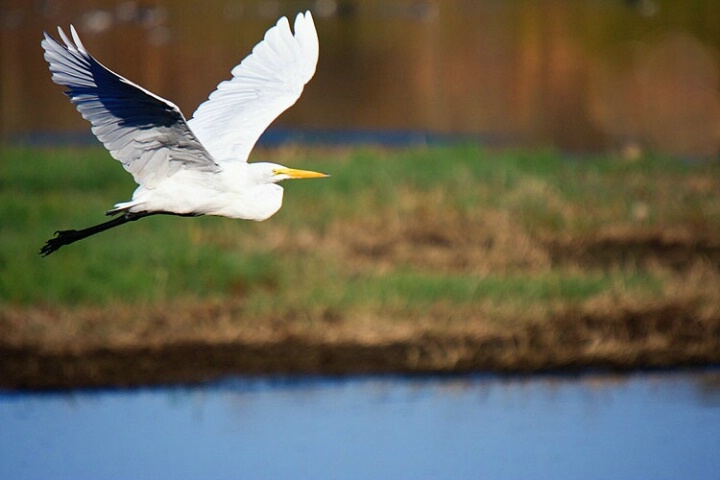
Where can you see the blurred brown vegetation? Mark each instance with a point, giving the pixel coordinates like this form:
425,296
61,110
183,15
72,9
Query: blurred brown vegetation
627,75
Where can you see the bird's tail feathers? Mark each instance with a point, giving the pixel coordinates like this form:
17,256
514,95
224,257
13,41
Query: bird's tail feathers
120,207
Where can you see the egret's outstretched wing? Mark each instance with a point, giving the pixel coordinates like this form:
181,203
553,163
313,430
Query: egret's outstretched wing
148,134
265,84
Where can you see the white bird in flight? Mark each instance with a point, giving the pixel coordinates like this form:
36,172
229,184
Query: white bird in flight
199,166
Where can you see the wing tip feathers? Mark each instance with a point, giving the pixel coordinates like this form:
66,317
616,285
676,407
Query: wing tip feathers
74,45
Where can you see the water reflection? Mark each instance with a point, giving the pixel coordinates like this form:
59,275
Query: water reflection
643,426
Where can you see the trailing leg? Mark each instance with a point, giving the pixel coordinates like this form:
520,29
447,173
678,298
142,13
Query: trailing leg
66,237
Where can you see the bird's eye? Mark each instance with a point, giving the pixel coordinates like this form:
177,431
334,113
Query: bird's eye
275,171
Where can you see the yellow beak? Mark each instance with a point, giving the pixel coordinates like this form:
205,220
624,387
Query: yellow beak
294,173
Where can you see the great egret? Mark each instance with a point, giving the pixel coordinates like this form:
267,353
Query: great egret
195,167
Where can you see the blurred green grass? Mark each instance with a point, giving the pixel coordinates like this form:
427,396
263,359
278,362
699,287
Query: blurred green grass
292,261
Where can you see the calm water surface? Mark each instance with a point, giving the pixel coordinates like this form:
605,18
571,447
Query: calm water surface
660,425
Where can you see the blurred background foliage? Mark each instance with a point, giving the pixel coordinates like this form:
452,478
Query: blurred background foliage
621,75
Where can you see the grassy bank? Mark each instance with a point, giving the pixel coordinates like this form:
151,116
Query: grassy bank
512,260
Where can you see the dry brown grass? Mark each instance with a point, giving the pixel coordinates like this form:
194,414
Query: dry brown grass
178,341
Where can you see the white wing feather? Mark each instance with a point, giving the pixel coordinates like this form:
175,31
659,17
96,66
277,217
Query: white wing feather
265,84
145,132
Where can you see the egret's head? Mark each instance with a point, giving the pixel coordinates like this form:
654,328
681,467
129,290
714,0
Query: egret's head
279,173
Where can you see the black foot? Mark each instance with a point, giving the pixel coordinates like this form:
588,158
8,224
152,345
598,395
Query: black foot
62,237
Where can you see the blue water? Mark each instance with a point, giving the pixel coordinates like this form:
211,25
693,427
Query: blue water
659,425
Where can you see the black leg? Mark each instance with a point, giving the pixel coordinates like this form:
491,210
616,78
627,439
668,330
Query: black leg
66,237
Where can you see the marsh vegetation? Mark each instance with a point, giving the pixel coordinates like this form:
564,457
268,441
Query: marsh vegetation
441,259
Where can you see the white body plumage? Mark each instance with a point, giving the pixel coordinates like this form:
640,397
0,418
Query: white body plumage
246,191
